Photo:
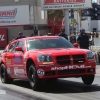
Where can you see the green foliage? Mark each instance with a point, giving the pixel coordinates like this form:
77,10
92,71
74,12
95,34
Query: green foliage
78,10
73,21
55,14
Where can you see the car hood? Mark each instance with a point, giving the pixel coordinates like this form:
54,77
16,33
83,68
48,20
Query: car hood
60,51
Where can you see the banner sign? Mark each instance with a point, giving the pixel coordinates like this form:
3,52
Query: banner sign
65,4
14,15
3,38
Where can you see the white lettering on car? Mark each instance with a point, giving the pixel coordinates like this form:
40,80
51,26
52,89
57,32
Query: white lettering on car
19,72
70,67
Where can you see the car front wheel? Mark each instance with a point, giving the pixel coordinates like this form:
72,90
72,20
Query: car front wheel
33,78
88,80
4,76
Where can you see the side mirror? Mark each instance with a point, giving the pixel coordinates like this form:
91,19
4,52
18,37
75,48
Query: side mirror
76,45
18,48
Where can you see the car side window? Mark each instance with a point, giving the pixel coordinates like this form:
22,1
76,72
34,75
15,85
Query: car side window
12,47
6,48
21,44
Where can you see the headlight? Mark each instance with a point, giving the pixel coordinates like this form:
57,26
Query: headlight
90,55
44,58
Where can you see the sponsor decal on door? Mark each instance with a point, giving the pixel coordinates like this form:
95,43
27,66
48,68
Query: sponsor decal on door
19,72
17,59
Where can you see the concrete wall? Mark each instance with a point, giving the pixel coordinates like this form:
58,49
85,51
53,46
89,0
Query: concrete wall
14,31
94,24
21,2
86,24
99,25
37,13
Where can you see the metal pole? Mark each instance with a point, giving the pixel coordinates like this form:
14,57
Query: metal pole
66,11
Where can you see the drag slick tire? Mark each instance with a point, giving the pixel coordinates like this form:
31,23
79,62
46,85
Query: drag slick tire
33,78
4,75
88,80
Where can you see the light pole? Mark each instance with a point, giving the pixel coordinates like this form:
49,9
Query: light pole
66,13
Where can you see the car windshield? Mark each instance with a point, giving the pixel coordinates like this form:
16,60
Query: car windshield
34,44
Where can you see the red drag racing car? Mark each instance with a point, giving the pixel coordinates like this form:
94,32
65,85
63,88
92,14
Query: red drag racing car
45,57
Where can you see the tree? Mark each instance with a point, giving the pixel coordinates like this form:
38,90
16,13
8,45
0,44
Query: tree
73,23
55,14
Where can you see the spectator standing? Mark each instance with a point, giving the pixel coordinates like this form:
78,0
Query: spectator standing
32,35
62,34
83,39
73,38
20,36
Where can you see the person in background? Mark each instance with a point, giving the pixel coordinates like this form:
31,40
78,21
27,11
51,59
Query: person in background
83,39
20,36
32,35
62,34
97,34
45,34
73,38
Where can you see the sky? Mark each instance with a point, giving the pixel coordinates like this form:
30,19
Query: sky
94,0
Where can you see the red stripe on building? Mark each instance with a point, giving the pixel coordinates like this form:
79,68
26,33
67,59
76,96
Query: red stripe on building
63,1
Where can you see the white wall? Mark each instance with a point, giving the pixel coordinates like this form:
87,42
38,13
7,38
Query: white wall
94,24
99,25
86,24
37,14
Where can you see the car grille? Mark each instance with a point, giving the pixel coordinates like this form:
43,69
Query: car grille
66,60
78,59
78,71
63,60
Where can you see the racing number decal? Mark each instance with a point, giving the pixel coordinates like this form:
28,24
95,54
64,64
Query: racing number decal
40,72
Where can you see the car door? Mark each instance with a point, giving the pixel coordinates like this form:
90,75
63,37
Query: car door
19,70
8,56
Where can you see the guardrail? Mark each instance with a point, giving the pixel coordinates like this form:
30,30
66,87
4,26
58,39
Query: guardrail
96,51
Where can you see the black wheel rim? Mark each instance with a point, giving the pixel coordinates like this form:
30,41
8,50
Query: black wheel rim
32,75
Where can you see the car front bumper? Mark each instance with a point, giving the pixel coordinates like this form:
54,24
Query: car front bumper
53,71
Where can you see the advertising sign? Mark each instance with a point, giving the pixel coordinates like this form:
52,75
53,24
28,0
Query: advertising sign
65,4
3,38
14,15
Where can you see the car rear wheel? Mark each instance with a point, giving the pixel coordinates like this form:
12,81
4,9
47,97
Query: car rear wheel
33,77
4,75
88,80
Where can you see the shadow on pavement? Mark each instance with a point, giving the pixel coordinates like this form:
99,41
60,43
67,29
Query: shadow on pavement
61,86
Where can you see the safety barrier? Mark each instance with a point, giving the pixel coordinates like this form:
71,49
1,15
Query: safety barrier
94,48
96,51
